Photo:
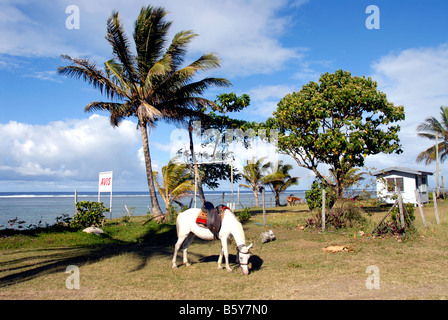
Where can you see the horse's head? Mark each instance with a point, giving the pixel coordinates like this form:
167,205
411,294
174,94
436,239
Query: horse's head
243,257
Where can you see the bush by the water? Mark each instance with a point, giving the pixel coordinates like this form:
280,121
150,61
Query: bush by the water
244,215
88,214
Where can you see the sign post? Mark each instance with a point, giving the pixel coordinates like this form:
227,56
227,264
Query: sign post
105,185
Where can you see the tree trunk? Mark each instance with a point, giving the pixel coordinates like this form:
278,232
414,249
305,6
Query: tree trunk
152,190
193,158
277,198
257,204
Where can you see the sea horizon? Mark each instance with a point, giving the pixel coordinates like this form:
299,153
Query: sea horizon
43,207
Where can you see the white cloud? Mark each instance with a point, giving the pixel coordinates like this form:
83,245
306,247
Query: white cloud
70,150
264,99
243,33
416,78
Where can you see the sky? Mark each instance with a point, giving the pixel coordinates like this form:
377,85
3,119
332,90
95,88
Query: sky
267,49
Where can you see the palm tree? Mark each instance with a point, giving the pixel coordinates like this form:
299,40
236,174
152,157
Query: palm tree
253,173
176,182
348,177
149,85
429,129
280,179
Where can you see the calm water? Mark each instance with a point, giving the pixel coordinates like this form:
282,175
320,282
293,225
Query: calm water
33,207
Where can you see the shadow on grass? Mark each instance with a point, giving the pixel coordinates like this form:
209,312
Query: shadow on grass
255,262
42,261
27,264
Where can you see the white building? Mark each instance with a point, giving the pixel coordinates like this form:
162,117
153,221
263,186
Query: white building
392,180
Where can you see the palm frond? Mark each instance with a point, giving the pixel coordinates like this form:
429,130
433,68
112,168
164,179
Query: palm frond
150,32
177,48
121,47
88,72
427,156
114,71
118,111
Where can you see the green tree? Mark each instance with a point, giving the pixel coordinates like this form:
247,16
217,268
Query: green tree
209,174
428,129
341,119
150,84
253,173
279,179
176,182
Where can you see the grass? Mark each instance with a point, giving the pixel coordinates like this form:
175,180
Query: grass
133,262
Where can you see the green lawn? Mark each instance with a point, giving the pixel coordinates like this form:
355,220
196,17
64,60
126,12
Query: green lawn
132,261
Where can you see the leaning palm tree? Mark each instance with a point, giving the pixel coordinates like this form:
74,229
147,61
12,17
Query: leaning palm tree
279,180
149,84
429,129
176,182
253,173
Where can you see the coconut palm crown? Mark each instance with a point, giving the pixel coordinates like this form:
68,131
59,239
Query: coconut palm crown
151,83
428,129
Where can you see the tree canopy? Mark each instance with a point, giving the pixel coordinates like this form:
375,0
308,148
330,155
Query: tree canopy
340,120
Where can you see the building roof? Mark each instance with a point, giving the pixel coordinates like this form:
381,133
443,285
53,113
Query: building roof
401,169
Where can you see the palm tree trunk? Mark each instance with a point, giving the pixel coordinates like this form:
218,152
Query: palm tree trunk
257,204
152,190
277,198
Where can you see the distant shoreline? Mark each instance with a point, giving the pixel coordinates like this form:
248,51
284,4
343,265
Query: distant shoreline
43,194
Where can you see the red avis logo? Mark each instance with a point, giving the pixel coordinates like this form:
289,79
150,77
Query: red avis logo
105,181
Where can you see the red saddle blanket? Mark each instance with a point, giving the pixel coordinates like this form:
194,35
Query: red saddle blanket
202,218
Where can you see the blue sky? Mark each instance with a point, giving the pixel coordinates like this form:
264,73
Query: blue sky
268,49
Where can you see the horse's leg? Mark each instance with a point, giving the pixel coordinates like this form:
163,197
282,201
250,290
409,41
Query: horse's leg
225,251
220,259
185,248
179,242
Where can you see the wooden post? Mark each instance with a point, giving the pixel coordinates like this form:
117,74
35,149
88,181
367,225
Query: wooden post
435,207
76,200
264,207
400,208
417,197
323,209
437,164
443,188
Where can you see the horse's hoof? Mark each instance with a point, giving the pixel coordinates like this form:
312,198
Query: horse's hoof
174,266
187,264
229,270
219,268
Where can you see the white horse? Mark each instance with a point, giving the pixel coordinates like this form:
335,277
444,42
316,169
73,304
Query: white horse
187,229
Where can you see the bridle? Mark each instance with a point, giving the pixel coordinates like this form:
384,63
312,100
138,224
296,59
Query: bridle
240,252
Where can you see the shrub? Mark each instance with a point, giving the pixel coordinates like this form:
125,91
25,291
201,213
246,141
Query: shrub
314,196
344,214
88,214
393,226
244,215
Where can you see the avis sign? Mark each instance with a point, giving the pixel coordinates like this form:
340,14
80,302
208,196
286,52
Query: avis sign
105,181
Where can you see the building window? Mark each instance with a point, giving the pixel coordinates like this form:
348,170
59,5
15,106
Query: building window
394,184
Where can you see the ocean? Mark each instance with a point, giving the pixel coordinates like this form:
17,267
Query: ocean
45,207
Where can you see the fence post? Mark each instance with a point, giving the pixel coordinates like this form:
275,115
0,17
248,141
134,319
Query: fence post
400,207
417,197
435,207
323,209
264,207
